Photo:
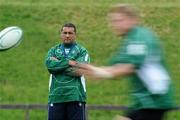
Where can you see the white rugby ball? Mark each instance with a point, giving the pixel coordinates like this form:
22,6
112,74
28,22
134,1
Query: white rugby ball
10,37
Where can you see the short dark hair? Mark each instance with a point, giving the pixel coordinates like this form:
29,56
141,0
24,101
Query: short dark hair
69,25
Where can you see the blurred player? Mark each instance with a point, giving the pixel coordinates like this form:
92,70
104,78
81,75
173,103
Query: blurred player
140,57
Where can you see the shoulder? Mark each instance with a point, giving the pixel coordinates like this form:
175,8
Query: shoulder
144,32
80,47
142,35
55,47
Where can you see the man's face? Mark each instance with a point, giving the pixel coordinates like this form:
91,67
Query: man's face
68,35
121,23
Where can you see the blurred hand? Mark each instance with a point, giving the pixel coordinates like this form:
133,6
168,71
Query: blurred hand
89,70
53,58
72,72
88,73
72,62
81,68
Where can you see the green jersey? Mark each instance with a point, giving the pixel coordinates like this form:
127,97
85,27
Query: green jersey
64,85
151,86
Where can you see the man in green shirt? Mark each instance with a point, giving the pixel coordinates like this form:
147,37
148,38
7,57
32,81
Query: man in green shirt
141,58
67,91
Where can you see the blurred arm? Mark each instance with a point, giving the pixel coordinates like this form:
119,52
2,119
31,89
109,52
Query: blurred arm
105,72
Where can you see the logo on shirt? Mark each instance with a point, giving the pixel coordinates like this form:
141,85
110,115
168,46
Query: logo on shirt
59,51
136,49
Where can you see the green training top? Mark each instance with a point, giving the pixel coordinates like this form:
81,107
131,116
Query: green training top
64,84
151,85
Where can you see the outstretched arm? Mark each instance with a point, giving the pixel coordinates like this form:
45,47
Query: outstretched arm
104,72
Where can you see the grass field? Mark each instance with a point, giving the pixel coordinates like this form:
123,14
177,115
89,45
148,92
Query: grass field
23,76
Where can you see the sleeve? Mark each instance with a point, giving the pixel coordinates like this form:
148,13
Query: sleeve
55,66
132,52
82,58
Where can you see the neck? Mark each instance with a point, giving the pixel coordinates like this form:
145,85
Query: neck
68,45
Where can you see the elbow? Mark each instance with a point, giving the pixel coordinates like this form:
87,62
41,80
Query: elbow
52,71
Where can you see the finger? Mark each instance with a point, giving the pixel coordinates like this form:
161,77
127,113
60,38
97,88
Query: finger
53,58
72,63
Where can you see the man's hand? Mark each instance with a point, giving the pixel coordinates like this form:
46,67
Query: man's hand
80,65
72,72
72,63
53,58
80,68
92,71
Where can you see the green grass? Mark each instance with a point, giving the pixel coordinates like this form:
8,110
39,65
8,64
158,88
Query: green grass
23,75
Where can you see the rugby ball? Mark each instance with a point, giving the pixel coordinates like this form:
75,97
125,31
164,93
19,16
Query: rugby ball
10,37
